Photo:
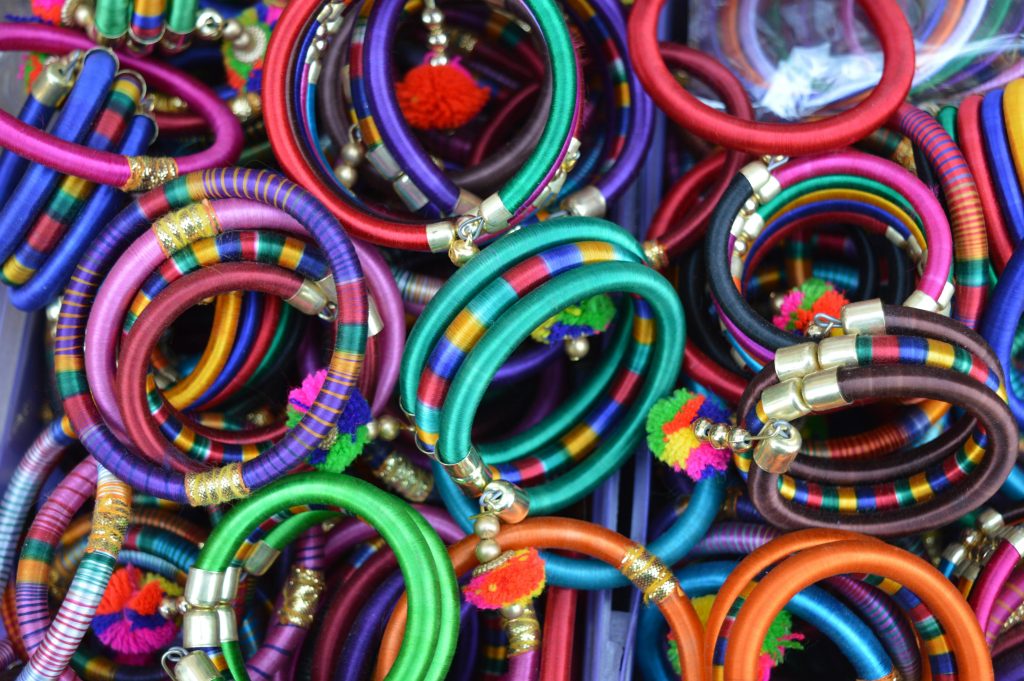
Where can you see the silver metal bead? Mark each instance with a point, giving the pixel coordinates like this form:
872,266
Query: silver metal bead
513,611
487,526
388,427
702,428
740,440
577,348
352,154
346,174
487,550
232,30
432,17
719,436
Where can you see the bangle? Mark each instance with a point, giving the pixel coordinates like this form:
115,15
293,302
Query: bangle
973,144
343,370
136,173
932,289
495,212
999,324
814,605
773,138
925,500
420,554
656,581
709,175
850,552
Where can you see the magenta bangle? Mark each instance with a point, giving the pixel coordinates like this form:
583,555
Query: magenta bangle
103,167
987,590
938,233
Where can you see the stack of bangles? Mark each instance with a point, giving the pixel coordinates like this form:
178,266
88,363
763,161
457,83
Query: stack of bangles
532,340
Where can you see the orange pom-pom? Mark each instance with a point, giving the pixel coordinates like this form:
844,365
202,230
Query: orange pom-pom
441,97
830,303
512,577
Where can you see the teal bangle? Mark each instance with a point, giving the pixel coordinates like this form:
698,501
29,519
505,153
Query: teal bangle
491,351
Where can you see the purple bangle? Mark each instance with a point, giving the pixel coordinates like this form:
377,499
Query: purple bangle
233,481
141,173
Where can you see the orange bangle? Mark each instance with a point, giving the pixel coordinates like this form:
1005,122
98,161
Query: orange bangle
856,553
594,541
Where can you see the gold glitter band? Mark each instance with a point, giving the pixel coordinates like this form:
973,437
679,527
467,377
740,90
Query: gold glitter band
216,486
649,575
301,595
523,632
402,477
148,172
110,518
185,226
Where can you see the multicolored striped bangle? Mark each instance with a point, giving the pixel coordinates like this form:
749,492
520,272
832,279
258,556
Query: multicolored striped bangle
73,382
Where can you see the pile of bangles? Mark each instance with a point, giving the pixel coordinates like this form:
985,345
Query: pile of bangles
638,340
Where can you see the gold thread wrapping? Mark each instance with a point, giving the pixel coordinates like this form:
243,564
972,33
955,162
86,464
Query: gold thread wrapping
185,226
301,595
523,632
110,517
401,476
216,486
146,172
649,574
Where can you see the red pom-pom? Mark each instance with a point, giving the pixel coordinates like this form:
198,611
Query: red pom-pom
441,97
512,577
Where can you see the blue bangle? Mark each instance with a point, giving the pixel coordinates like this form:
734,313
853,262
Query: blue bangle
73,123
49,280
1000,161
34,113
587,574
814,605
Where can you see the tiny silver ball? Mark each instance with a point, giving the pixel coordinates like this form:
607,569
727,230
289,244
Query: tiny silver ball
487,550
513,611
388,427
432,17
346,175
168,608
232,30
487,526
577,348
352,154
438,40
83,15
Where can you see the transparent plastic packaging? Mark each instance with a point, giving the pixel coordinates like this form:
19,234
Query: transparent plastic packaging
800,57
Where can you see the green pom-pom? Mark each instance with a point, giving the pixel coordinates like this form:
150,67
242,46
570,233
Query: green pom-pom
342,451
589,318
596,312
673,656
777,641
663,411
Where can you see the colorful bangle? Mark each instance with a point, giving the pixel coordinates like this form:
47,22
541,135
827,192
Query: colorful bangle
772,138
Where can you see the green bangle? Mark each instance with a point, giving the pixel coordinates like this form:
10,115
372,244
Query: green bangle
111,17
494,347
433,593
181,16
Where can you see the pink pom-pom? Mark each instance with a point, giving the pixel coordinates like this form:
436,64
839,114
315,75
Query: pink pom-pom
706,457
302,398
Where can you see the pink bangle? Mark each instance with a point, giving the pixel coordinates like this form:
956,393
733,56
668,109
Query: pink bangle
130,173
938,234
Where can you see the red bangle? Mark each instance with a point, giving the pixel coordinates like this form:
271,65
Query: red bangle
798,139
1000,243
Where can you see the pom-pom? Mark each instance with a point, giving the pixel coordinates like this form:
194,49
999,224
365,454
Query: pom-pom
442,97
243,66
800,306
779,639
514,577
48,10
672,441
591,317
349,437
128,619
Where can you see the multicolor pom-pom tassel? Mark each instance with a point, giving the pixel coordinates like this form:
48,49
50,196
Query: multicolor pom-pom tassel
244,66
440,97
128,619
351,434
589,318
779,639
672,441
513,578
813,297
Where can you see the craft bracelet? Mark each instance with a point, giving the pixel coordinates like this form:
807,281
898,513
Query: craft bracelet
235,481
130,173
